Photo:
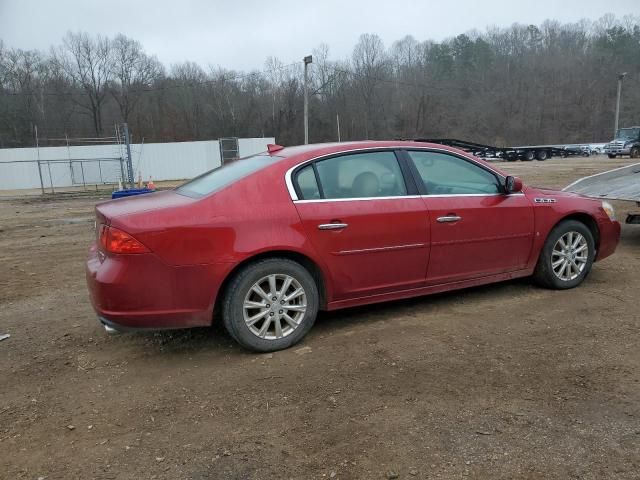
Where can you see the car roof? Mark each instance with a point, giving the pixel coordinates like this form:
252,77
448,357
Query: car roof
291,156
318,149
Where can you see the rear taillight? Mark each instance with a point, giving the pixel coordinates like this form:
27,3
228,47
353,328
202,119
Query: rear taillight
114,240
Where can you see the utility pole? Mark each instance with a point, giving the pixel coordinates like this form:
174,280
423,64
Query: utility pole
38,153
66,137
620,78
125,128
307,60
338,124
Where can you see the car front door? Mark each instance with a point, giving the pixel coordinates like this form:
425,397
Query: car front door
364,221
476,229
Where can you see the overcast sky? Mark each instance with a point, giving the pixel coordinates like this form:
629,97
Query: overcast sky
241,34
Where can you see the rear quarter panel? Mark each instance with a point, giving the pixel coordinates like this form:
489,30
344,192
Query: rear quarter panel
250,217
242,219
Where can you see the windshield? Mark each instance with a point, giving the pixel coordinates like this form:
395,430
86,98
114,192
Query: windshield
628,133
225,175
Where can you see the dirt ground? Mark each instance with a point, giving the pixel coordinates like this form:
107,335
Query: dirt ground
503,381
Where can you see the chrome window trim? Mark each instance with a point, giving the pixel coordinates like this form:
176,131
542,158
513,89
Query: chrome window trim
447,195
426,197
355,199
294,196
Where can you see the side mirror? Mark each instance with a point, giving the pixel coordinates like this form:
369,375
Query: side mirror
513,184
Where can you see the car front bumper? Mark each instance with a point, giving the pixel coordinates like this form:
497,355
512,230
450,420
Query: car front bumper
617,150
609,238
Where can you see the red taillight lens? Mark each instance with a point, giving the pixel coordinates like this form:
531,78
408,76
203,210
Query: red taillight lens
117,241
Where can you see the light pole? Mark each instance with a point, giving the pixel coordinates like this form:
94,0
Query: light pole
620,78
307,60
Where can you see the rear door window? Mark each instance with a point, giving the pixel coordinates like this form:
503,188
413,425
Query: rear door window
361,175
307,184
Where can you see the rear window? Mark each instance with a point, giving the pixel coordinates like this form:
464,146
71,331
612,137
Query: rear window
225,175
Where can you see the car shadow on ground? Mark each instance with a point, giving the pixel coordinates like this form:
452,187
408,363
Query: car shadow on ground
216,338
426,304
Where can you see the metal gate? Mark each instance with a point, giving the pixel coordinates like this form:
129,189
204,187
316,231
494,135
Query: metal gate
229,150
97,170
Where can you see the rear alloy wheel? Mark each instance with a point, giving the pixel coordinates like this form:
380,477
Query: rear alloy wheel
567,256
270,305
635,152
274,306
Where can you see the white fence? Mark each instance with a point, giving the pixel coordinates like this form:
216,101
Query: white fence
68,166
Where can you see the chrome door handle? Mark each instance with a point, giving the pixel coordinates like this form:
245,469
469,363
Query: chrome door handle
332,226
449,219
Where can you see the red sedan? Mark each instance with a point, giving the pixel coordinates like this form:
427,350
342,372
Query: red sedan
271,239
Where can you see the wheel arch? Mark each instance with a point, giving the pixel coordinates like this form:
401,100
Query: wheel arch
304,260
586,219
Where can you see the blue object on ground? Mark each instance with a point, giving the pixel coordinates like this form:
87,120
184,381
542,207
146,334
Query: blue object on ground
130,192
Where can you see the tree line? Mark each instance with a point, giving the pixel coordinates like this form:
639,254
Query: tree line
525,84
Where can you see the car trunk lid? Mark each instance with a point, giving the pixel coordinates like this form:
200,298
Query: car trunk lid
122,207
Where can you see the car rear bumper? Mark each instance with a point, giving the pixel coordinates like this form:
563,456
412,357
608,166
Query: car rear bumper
112,327
141,292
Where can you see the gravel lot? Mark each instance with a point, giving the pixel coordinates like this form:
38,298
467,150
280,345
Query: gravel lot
503,381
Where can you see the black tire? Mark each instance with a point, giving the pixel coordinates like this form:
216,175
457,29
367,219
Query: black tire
529,156
635,152
544,274
243,281
542,155
611,155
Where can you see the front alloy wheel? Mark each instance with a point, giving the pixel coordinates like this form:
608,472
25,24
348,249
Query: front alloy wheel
569,256
566,257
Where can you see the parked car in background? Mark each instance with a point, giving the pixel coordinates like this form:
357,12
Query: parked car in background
627,142
269,240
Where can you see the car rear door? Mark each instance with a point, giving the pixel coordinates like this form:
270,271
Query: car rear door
476,229
368,225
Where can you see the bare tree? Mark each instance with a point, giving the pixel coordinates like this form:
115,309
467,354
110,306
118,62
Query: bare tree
187,104
22,71
3,68
133,72
547,83
370,66
88,62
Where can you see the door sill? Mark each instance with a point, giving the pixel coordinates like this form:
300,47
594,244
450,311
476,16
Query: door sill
427,290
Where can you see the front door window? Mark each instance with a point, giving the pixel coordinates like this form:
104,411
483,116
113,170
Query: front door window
444,174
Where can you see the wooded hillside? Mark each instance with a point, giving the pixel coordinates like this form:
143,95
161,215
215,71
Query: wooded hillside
518,85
